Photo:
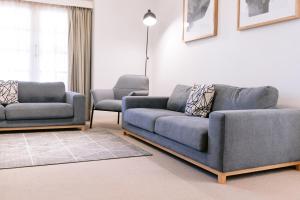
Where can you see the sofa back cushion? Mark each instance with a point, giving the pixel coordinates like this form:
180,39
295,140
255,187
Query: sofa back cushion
235,98
33,92
179,97
130,83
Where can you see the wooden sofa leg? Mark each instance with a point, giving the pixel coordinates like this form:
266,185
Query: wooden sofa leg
298,167
125,133
222,179
83,128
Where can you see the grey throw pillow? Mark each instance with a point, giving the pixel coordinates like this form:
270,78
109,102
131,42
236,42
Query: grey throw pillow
200,100
8,92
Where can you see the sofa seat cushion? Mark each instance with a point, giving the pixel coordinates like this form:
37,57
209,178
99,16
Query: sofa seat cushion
109,105
145,117
36,111
186,130
2,113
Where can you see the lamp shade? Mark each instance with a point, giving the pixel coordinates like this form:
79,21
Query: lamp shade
149,19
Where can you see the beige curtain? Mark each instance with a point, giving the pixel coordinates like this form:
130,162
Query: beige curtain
80,31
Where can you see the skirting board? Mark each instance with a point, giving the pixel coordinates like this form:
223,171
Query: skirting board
222,176
81,127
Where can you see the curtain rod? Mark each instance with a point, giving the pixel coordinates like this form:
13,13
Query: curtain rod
75,3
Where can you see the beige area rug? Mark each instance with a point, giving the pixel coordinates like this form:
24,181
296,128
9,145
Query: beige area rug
48,148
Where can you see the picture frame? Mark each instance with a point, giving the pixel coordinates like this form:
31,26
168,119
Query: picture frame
265,12
200,19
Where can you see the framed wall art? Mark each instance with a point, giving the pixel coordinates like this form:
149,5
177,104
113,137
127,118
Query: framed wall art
256,13
200,19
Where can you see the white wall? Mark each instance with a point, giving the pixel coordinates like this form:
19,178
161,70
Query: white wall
263,56
119,38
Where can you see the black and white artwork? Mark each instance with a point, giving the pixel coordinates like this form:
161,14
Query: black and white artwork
199,19
254,13
257,7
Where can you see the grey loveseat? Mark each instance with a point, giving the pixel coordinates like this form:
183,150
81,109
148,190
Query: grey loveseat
244,133
43,106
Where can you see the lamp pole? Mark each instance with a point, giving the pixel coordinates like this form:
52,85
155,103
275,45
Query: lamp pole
147,45
148,20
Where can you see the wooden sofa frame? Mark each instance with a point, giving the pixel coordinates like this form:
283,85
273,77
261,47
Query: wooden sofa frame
222,176
81,127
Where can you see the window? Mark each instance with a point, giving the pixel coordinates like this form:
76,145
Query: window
33,42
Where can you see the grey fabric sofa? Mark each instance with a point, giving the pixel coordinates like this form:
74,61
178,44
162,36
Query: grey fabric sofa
244,133
43,106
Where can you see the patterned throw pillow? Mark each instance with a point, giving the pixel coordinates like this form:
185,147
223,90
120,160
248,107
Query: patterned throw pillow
200,100
8,92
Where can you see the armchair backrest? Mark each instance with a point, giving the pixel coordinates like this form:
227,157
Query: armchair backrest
130,83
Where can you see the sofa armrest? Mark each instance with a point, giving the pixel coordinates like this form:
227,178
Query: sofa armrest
144,102
139,93
78,102
254,138
102,94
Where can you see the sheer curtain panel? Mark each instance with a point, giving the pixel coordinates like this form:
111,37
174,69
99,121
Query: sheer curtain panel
33,42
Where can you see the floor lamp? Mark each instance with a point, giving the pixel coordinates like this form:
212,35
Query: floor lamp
149,20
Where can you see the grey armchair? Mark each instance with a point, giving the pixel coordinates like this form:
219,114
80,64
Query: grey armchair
111,99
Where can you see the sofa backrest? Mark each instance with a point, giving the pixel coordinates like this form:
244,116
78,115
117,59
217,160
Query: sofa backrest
228,98
34,92
130,83
179,97
235,98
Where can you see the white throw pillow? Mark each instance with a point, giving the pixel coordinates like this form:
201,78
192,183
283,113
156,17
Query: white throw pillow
8,92
200,100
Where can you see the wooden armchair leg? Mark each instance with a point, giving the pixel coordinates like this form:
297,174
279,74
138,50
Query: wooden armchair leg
118,118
